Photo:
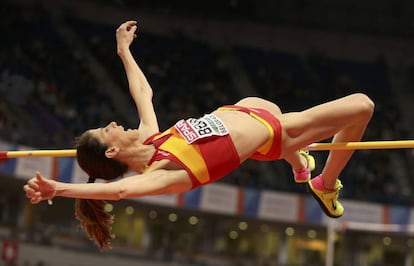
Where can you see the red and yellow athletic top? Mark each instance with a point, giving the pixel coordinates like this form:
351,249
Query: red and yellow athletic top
204,147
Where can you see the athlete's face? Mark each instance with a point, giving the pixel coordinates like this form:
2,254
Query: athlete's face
115,135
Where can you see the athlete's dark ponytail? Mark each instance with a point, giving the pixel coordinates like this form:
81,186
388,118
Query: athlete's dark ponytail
91,213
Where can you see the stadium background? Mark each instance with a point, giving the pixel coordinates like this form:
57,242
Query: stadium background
60,75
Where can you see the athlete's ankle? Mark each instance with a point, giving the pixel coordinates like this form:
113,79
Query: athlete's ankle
319,183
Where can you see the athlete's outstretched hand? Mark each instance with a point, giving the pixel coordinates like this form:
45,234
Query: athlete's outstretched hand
39,188
125,34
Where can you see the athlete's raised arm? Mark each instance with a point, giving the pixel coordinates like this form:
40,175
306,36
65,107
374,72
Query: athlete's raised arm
139,87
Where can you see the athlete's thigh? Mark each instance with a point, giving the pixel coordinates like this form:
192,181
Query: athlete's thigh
325,120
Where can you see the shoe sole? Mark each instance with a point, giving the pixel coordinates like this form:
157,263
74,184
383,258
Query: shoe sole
323,207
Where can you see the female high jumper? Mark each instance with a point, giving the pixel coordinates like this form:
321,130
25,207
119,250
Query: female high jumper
197,151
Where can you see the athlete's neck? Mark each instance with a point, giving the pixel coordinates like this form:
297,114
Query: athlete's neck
138,157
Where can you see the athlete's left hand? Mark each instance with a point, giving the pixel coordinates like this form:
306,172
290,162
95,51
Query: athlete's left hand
39,188
125,34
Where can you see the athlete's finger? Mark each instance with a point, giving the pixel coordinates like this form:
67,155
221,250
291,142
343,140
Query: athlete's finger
33,184
39,177
30,193
27,188
133,28
34,200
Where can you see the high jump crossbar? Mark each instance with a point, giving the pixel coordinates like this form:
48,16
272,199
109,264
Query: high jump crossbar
364,145
37,153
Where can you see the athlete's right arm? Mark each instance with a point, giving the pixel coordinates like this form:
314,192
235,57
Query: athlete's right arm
139,87
152,183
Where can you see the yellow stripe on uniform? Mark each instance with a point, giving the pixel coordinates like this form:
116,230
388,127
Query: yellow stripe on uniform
189,155
265,148
224,108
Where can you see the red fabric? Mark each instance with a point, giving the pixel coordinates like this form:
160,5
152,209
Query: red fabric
3,155
218,152
273,122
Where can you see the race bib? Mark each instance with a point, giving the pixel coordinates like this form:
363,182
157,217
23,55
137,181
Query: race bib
194,129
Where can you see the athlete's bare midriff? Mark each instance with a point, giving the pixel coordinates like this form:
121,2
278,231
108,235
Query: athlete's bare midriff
246,132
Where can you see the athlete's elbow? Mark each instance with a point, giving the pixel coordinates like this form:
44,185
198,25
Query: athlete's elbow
146,91
131,192
122,193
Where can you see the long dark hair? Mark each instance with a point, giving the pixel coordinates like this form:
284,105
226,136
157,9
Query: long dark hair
91,213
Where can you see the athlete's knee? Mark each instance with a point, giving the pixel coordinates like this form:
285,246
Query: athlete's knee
364,104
